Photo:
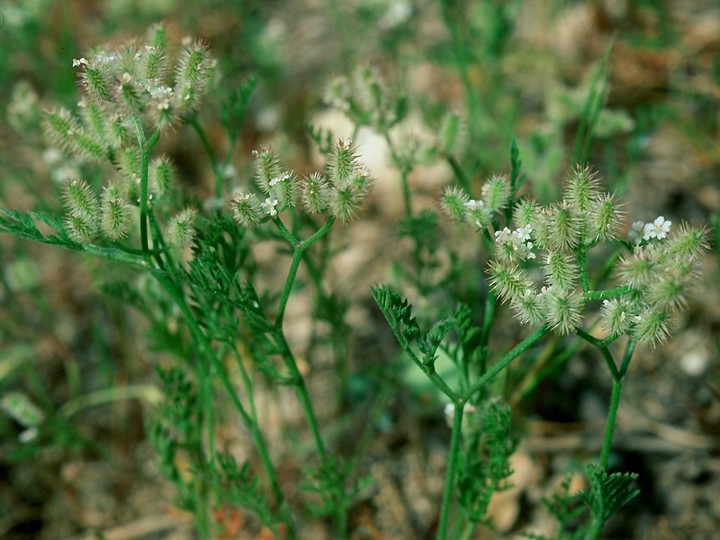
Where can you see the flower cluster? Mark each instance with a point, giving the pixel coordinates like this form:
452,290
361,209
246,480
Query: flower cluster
657,275
134,81
653,278
644,232
461,208
339,192
127,90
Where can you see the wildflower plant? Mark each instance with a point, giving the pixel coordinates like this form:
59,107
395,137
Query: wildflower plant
537,264
132,212
226,335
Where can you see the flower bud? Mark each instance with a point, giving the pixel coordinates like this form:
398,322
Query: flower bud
128,95
450,132
115,213
96,79
64,129
267,168
563,227
582,189
651,327
118,133
94,117
345,202
284,189
180,229
194,66
668,293
157,36
496,193
525,214
616,317
81,228
606,218
453,203
247,211
529,307
639,269
153,63
561,270
128,163
80,200
342,162
514,246
162,176
563,310
509,282
315,193
685,242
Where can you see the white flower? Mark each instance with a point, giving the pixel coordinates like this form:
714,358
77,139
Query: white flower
657,229
636,232
79,62
518,242
270,206
278,179
472,204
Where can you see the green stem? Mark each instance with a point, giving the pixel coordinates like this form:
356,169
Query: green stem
452,468
251,423
520,348
298,251
203,346
610,425
145,149
606,294
582,267
604,352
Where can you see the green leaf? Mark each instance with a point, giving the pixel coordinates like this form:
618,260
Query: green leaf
433,338
608,492
398,313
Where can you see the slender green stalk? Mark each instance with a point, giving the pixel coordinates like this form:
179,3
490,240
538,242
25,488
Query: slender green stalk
298,251
520,348
145,146
452,468
582,266
617,292
610,425
604,352
203,346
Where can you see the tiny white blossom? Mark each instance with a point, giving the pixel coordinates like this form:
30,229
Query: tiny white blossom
657,229
275,181
270,206
472,204
636,232
518,241
79,62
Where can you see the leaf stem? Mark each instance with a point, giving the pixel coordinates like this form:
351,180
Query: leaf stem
520,348
452,467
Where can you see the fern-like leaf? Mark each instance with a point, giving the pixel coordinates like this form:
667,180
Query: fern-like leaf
398,313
